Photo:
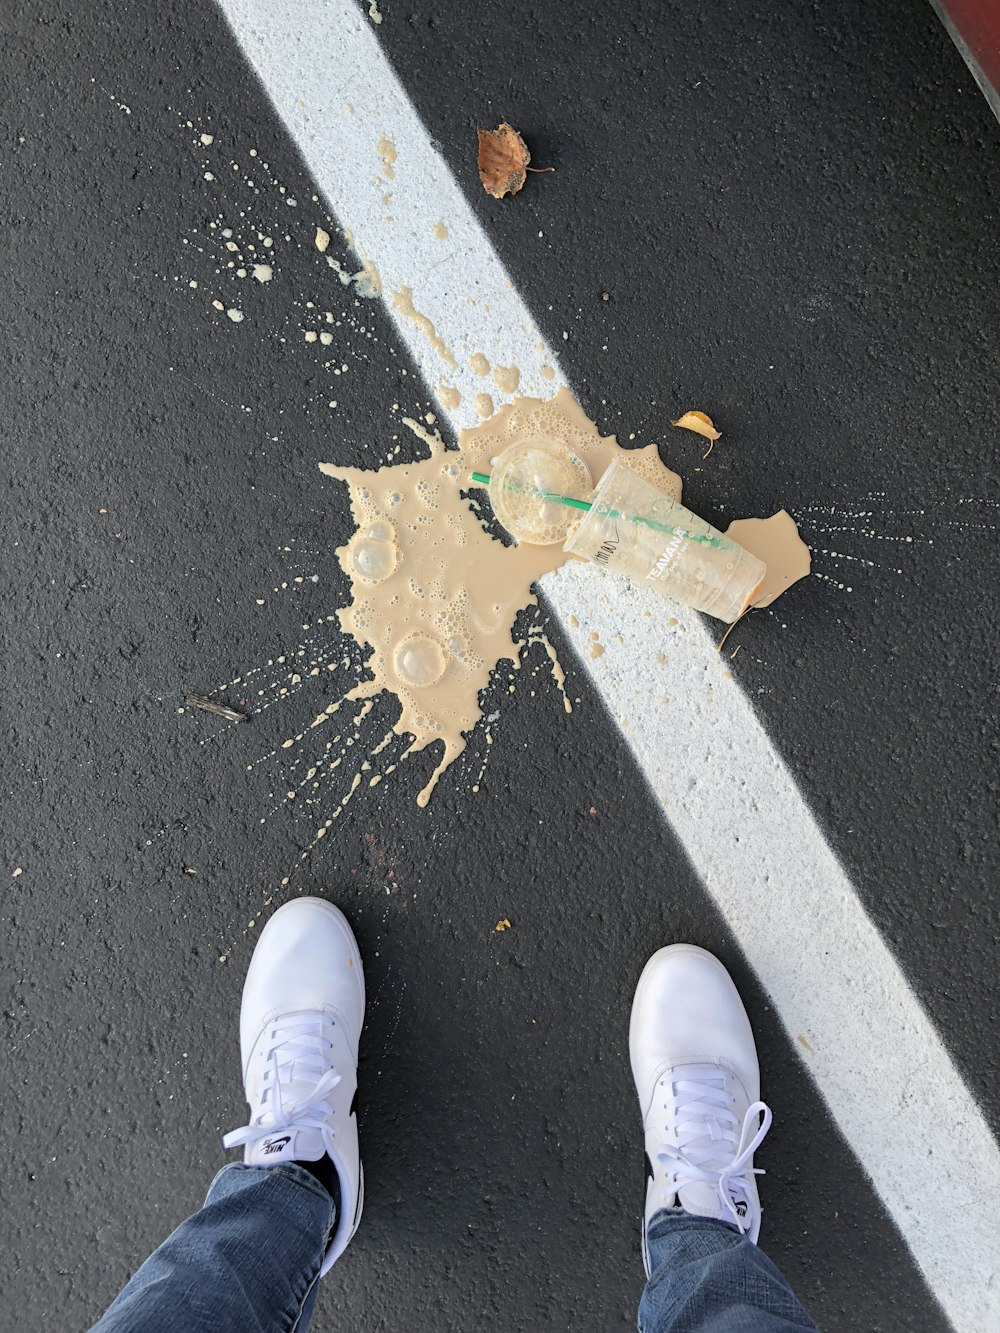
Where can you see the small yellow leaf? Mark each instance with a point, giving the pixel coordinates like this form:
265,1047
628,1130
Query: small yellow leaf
699,422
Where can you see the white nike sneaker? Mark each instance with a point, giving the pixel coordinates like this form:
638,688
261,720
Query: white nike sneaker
300,1023
695,1067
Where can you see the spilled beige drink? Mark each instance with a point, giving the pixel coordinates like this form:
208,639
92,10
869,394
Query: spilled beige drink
434,596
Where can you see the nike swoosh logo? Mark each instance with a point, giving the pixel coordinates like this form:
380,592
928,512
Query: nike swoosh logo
276,1145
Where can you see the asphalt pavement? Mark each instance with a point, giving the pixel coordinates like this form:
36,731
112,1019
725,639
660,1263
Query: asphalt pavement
791,213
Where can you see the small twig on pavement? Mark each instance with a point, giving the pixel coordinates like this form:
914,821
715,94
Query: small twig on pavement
219,710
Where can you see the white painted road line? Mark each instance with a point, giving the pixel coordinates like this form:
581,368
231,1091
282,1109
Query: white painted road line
876,1058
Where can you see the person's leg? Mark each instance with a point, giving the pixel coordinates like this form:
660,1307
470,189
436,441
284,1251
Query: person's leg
698,1080
705,1277
249,1261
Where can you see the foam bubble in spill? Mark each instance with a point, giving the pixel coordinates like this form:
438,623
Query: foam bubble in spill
374,554
419,660
428,494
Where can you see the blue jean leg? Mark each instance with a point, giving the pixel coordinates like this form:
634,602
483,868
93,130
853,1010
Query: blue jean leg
707,1278
247,1262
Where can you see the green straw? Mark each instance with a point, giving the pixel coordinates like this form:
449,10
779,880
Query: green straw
481,479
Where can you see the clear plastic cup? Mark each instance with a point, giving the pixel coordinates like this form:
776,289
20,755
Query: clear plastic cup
635,529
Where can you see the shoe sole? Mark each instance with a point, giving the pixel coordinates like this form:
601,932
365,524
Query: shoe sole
361,1200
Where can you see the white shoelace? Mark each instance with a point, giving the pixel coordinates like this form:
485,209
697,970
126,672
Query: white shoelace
709,1148
298,1052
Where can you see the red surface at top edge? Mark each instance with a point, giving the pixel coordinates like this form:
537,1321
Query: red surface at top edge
978,22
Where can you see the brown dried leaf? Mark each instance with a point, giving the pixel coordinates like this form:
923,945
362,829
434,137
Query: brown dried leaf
699,422
503,160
